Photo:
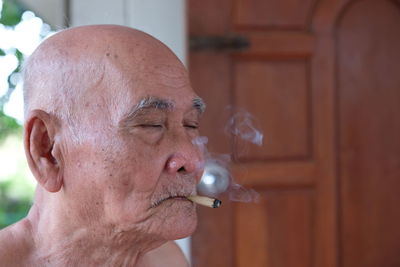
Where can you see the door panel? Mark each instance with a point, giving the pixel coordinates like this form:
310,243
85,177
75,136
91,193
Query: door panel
369,136
291,14
279,104
277,231
272,79
322,80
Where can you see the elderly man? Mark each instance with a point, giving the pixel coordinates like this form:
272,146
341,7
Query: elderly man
110,126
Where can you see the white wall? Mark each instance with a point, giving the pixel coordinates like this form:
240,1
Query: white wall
97,12
53,12
164,19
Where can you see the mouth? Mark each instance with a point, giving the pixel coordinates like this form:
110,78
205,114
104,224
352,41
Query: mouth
176,197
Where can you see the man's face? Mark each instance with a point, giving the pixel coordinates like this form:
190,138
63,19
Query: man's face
138,159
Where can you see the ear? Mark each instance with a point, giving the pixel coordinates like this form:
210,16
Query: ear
39,143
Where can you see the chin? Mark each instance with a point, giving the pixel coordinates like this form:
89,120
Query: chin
187,229
180,231
177,227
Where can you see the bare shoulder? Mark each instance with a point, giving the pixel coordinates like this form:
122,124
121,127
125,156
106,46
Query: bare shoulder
7,247
12,252
168,255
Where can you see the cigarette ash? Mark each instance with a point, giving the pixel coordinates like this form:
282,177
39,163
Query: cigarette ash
217,179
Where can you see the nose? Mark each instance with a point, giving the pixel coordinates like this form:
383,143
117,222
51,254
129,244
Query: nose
179,163
189,161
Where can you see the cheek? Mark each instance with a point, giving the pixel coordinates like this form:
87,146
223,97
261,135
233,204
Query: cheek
133,169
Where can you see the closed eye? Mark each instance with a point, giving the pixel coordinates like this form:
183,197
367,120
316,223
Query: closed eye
191,126
150,125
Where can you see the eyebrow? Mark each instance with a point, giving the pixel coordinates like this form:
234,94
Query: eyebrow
144,105
199,104
152,102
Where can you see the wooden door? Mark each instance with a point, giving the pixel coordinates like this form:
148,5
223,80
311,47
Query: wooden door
323,80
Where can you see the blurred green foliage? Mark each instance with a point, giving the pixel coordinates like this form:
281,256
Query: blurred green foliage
11,13
15,193
8,126
13,206
11,210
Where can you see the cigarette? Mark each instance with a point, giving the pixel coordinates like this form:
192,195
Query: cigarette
206,201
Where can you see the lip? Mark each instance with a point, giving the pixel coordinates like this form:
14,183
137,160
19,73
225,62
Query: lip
178,198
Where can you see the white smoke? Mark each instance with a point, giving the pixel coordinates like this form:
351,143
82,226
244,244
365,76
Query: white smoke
242,125
217,178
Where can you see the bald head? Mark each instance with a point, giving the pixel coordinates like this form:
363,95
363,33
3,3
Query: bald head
90,60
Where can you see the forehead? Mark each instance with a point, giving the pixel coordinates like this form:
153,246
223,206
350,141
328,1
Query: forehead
160,78
136,69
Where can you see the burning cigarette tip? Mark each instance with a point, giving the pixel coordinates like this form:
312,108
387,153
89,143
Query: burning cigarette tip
206,201
217,203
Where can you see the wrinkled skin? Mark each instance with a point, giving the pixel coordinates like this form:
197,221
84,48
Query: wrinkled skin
112,177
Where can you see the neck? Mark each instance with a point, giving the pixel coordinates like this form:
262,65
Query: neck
59,241
87,248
